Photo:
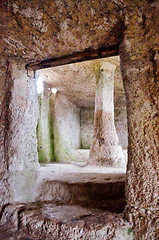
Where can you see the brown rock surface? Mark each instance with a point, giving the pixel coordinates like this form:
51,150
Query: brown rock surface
78,81
139,61
36,31
49,221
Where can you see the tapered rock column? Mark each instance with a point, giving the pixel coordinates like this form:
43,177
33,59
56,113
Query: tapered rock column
105,149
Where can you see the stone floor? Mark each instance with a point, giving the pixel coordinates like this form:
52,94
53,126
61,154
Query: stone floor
82,184
80,172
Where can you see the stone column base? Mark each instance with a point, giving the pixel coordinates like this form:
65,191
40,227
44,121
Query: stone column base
110,156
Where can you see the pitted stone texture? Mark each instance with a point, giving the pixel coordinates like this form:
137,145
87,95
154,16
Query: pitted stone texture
144,219
75,81
20,38
66,125
139,61
36,31
85,185
22,142
52,222
18,135
104,129
110,156
105,149
5,99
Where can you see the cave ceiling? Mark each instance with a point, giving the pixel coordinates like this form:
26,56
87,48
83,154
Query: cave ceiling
38,30
78,81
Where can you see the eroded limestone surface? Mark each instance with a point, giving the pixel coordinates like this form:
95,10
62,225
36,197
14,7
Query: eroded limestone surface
37,31
82,184
139,63
19,156
105,149
52,222
33,31
73,201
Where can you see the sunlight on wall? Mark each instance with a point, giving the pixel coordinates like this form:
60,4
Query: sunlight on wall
40,85
54,90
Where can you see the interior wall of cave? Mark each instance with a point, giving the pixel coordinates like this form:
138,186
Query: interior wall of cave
18,135
53,143
32,32
45,135
66,128
87,130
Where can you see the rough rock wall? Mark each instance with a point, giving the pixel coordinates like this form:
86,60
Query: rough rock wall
66,128
120,117
19,109
45,135
86,124
22,141
139,61
36,30
5,99
21,37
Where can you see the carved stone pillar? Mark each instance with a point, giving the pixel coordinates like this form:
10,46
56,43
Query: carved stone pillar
105,149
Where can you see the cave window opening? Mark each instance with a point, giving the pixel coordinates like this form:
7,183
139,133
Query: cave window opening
66,111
